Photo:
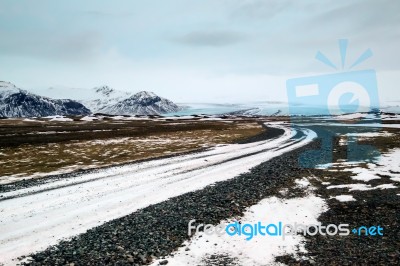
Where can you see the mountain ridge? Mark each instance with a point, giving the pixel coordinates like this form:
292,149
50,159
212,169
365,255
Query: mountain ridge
15,102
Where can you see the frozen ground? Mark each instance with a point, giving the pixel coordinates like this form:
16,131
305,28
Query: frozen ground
260,250
388,165
41,216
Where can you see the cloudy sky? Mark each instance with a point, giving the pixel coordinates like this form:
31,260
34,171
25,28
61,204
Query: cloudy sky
194,51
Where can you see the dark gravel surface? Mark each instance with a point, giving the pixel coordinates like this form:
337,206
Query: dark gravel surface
372,208
157,230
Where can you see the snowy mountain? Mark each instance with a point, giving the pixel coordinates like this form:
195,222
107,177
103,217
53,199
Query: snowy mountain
103,97
141,103
15,102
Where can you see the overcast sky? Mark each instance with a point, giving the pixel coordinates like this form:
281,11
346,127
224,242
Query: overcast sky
194,51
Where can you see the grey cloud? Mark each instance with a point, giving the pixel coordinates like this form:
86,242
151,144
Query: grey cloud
308,27
362,15
211,38
367,24
56,46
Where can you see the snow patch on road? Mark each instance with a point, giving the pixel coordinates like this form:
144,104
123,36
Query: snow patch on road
344,198
261,250
362,187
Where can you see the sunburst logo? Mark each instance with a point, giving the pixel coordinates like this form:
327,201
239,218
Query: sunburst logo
342,92
345,91
346,97
343,44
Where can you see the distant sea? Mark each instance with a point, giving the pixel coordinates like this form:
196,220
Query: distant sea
266,108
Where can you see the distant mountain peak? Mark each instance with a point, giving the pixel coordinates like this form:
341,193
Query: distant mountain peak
7,88
144,98
142,103
145,94
6,84
104,90
103,96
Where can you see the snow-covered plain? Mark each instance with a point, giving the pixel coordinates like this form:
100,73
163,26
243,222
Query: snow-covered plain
43,215
388,164
354,116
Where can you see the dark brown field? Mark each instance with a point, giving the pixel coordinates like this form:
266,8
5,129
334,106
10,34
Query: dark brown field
42,146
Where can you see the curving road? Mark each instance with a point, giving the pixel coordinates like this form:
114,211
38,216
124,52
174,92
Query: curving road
37,217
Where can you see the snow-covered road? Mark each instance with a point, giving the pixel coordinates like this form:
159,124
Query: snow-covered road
36,217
